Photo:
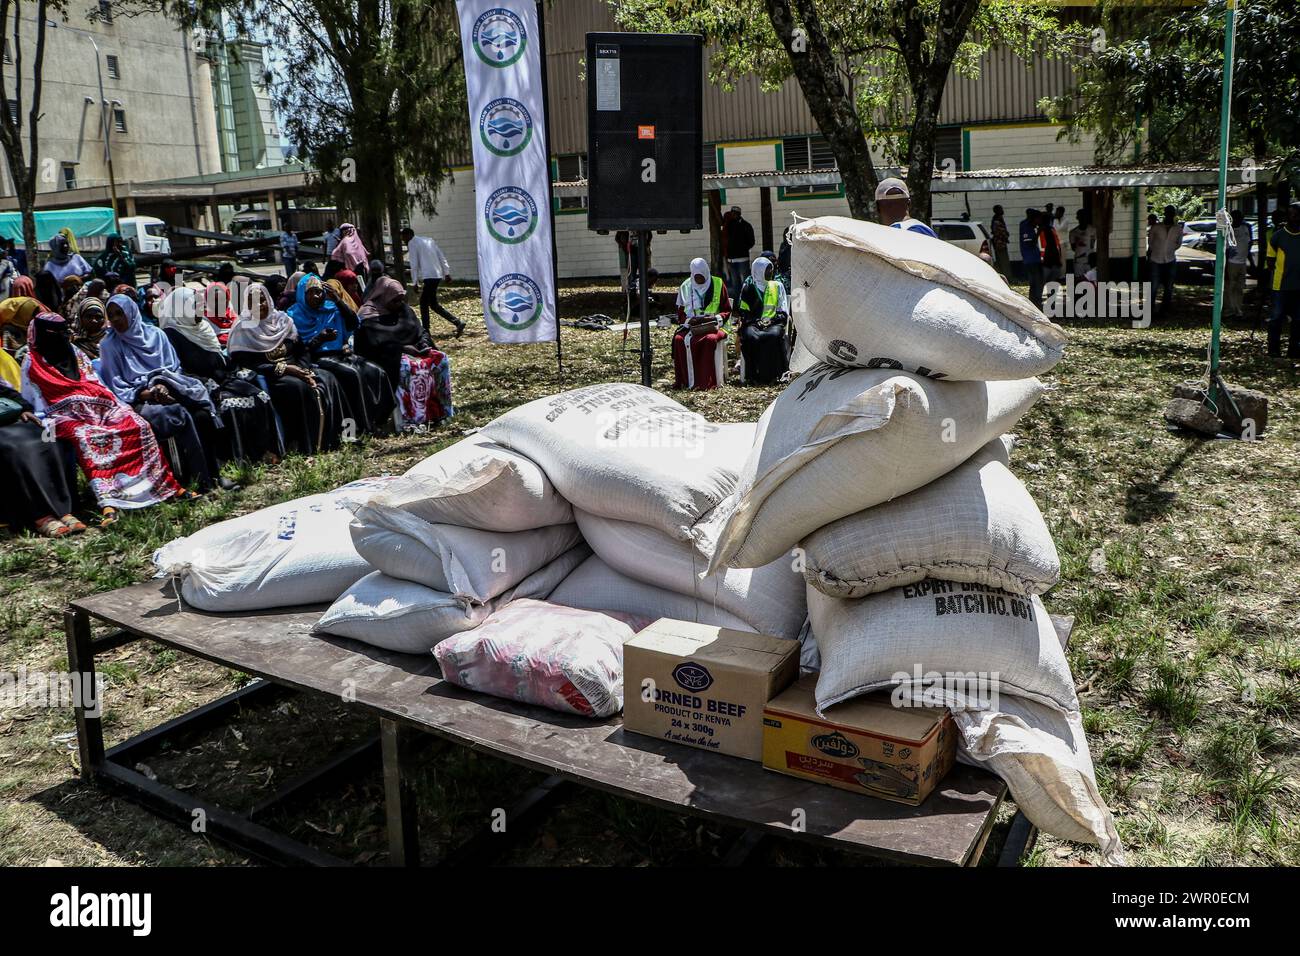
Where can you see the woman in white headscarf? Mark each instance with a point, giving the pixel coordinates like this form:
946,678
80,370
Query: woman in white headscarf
700,343
764,312
252,432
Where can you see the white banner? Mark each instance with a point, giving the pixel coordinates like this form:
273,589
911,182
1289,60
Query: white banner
503,77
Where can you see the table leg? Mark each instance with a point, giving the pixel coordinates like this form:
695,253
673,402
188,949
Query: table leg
399,795
88,705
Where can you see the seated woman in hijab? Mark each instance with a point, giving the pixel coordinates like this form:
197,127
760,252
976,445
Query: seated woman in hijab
140,366
39,489
70,288
700,342
764,313
307,399
351,251
63,262
89,323
16,314
219,309
391,336
251,432
325,325
333,279
115,447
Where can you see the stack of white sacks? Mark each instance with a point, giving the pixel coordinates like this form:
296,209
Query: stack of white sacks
870,514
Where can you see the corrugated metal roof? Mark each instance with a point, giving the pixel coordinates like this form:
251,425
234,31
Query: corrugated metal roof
985,180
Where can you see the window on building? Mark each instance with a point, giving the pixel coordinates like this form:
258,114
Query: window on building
119,119
807,152
113,71
947,149
69,175
7,57
106,11
12,106
568,169
710,164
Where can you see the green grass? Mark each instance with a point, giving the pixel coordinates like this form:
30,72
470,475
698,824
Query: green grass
1180,560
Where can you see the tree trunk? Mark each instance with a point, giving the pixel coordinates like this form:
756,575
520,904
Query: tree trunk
395,208
830,103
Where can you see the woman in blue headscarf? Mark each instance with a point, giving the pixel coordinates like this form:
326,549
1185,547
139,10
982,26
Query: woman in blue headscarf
324,325
140,367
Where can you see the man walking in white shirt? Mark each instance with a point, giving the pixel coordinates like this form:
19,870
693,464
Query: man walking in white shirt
429,267
1164,240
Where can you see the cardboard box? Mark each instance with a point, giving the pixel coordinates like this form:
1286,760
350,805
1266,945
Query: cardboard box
709,684
866,744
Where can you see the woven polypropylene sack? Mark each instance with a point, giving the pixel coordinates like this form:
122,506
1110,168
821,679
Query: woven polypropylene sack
839,440
476,483
296,552
872,296
598,587
770,599
466,562
977,524
939,627
628,452
537,652
404,616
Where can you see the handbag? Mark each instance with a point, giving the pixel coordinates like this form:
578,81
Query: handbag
10,411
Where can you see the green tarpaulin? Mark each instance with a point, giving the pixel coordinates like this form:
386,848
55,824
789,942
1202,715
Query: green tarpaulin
84,222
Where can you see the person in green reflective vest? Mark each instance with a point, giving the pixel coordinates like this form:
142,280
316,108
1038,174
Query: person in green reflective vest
764,314
700,343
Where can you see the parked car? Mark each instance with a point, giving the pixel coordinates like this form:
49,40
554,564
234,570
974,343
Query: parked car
1200,241
145,234
965,234
269,253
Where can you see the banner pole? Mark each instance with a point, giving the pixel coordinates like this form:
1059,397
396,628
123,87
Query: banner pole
550,183
1221,244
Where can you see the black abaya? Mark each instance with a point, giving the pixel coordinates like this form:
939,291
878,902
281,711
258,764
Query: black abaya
33,474
312,417
365,386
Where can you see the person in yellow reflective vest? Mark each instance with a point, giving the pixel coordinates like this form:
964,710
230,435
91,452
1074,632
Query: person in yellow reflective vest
700,343
764,314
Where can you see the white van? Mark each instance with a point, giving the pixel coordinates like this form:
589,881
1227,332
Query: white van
145,234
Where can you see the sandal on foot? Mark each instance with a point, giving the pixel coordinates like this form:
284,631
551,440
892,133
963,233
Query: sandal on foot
108,516
51,527
72,524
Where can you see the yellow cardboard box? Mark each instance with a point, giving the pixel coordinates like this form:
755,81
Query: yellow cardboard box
704,686
866,744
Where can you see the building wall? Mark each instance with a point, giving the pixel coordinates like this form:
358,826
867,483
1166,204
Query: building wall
584,253
166,135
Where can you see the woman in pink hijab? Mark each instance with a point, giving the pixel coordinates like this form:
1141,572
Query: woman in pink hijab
350,250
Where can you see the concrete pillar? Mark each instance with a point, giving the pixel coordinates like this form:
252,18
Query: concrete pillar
130,206
275,213
214,215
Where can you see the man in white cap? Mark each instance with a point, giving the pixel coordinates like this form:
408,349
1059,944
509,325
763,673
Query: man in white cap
700,343
894,207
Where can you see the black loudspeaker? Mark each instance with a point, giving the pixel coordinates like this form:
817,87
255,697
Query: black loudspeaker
645,130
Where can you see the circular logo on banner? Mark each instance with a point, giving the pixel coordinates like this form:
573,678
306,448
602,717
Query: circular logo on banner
511,214
499,37
515,302
505,126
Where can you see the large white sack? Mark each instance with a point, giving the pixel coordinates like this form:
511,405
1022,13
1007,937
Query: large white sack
939,627
839,440
598,587
476,483
877,297
628,452
537,652
468,563
1042,754
770,598
296,552
976,524
403,616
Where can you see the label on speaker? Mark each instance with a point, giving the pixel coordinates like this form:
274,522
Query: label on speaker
608,86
